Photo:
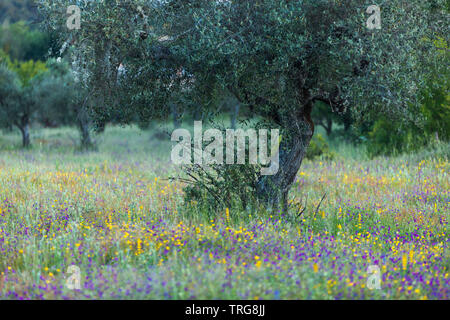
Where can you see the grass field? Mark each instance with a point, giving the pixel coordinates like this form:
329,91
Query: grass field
113,214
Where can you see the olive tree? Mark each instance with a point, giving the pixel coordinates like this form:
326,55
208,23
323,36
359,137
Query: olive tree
277,57
63,100
18,100
9,93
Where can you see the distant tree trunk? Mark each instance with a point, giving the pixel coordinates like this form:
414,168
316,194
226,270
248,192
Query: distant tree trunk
234,115
197,114
347,122
101,126
329,126
274,189
175,116
26,136
86,141
83,126
24,127
47,123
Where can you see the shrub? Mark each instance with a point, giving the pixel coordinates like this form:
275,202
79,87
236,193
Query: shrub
387,137
215,187
220,186
319,148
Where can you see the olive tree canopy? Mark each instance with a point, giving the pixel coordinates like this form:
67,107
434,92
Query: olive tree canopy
277,57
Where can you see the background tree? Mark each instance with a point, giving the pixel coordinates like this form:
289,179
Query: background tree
64,101
22,43
18,101
323,116
9,92
16,10
277,57
387,137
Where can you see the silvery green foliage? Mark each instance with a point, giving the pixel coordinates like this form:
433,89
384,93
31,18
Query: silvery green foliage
17,101
57,93
276,55
111,33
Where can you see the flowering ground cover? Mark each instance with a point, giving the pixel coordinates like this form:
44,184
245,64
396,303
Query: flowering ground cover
116,216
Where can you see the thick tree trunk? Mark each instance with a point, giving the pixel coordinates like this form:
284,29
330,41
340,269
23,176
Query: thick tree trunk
273,190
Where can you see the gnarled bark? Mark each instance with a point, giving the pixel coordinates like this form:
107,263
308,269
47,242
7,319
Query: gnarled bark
273,190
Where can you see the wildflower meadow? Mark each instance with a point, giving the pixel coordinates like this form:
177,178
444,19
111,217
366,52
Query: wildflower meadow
223,154
116,216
